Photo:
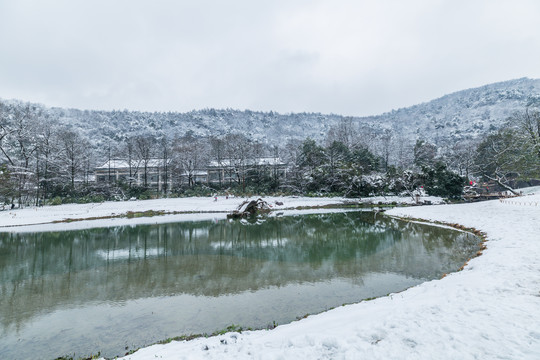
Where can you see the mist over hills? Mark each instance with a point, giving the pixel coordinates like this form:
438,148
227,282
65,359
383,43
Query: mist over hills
458,116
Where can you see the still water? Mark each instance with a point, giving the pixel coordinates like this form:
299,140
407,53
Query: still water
115,289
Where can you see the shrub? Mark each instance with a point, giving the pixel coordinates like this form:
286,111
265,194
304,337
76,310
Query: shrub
439,181
57,200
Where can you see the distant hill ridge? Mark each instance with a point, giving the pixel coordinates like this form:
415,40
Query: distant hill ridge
461,115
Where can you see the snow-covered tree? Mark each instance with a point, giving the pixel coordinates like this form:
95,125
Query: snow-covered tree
74,153
47,156
191,154
424,153
144,152
18,144
239,154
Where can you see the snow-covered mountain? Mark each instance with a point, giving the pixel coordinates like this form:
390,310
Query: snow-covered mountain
461,115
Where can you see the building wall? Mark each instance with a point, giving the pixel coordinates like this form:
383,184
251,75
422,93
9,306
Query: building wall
155,175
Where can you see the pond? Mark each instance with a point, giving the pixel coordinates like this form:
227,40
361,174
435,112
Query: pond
119,288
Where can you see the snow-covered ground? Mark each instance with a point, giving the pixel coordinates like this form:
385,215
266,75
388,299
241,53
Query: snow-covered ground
193,208
490,310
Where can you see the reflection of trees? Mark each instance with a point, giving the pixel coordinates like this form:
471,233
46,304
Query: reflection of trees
46,270
311,239
433,250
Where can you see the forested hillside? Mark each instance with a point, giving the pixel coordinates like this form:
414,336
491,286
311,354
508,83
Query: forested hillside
461,115
490,132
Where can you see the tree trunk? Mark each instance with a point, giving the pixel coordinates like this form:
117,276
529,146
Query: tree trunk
499,181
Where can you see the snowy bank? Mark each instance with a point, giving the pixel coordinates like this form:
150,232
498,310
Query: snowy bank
489,310
192,208
113,213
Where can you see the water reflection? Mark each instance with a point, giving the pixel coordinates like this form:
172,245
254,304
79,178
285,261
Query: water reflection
43,275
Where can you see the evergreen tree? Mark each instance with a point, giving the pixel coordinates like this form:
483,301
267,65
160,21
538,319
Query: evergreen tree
439,181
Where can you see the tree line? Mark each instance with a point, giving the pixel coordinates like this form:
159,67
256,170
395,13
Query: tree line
42,161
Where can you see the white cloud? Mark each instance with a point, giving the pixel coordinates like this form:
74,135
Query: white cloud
344,56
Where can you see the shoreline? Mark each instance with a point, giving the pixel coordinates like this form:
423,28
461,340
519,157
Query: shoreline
114,213
137,212
489,309
239,328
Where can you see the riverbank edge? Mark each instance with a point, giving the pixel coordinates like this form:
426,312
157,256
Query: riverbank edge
234,328
156,213
99,214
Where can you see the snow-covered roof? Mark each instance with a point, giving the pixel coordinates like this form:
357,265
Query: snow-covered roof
114,164
124,164
272,161
195,173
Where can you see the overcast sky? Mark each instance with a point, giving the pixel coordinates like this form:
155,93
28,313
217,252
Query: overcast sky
349,57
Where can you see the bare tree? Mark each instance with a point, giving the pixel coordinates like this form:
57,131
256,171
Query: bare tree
461,157
386,147
292,156
497,157
344,132
425,153
5,132
46,156
74,153
513,153
239,152
404,154
191,154
129,153
144,150
21,145
165,152
529,121
217,146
